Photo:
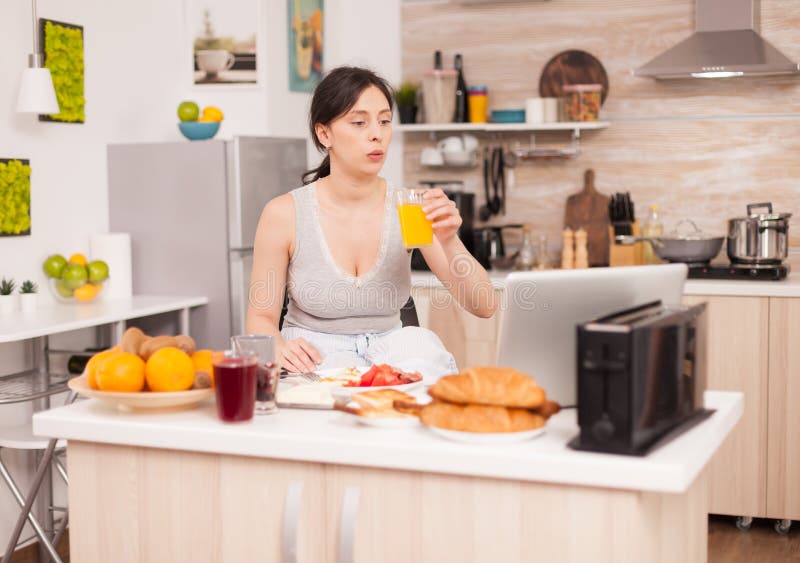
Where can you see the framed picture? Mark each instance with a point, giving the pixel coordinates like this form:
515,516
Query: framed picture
305,44
62,44
223,41
15,197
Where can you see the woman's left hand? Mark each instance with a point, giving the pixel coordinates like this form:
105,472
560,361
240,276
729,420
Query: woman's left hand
442,211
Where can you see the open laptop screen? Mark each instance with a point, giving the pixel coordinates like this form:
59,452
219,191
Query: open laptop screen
542,309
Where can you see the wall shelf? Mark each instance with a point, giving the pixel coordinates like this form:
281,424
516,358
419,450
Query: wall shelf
574,126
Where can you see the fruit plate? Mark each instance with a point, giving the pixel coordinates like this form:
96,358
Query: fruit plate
145,400
487,437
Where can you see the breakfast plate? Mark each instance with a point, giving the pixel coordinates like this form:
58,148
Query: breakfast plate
487,437
331,387
144,400
378,421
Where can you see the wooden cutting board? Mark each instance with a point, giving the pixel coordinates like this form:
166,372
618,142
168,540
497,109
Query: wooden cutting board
588,209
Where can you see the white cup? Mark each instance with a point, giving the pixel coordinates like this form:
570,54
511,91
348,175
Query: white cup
214,60
534,110
431,156
451,144
550,109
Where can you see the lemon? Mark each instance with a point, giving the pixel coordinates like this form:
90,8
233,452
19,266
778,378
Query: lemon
211,113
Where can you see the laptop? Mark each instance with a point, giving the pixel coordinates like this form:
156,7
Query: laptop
538,329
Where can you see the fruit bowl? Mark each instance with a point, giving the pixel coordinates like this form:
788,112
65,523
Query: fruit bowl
198,130
85,293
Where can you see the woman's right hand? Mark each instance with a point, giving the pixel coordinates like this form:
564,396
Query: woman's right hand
297,356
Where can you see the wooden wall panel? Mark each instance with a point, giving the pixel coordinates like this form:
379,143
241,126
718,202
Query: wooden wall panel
701,149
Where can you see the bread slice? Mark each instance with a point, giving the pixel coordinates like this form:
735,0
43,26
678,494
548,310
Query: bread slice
380,399
496,386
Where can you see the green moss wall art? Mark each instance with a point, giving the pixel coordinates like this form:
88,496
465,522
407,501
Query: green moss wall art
62,44
15,197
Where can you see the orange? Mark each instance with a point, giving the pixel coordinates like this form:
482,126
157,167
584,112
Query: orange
169,369
78,259
203,360
87,291
96,363
122,372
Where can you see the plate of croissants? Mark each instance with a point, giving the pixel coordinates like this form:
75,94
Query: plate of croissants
488,405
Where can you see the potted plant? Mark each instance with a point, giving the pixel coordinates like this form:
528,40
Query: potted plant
8,301
406,99
28,298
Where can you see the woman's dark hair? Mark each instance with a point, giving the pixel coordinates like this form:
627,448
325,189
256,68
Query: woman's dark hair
334,96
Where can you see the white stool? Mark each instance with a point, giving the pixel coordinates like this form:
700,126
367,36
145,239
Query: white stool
22,438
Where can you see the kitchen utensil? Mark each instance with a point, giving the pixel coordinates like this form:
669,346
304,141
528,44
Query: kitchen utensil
588,209
572,67
692,247
759,238
485,212
497,177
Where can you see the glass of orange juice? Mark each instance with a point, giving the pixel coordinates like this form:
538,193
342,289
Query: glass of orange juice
416,229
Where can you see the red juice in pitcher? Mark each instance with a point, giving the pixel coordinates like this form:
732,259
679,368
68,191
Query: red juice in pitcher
235,382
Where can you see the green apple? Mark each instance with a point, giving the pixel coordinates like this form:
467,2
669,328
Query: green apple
62,289
188,111
98,271
74,276
54,265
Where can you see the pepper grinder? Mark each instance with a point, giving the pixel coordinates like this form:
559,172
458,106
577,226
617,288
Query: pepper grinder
567,250
581,252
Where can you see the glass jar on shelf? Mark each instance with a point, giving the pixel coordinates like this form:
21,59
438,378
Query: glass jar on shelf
526,258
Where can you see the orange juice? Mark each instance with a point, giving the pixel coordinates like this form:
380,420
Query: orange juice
415,227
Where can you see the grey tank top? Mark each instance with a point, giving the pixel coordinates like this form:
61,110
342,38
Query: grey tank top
323,297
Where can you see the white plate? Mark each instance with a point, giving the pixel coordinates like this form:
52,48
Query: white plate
487,437
382,422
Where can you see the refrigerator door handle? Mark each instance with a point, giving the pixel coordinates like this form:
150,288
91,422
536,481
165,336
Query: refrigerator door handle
241,265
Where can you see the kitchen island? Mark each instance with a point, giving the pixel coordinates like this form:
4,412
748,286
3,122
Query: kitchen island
315,486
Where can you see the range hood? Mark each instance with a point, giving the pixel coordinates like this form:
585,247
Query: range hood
726,43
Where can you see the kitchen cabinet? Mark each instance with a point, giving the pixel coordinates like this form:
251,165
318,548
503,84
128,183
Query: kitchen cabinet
737,360
140,504
783,420
471,340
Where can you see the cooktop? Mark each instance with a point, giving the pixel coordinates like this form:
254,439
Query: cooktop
738,272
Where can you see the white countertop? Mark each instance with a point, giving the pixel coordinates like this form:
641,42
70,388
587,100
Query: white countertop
790,287
52,319
332,437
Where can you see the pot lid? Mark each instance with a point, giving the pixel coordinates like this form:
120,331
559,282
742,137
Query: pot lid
760,216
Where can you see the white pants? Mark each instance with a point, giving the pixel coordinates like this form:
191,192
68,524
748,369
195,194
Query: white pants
409,348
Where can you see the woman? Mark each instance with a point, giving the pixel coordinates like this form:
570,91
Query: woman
334,247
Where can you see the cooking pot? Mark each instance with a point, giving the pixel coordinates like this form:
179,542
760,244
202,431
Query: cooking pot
759,238
691,247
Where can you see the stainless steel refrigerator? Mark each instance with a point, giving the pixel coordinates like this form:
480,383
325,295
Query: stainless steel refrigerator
192,209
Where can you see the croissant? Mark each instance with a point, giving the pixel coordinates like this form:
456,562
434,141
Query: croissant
505,387
479,418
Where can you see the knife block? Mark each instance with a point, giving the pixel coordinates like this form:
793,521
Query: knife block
625,255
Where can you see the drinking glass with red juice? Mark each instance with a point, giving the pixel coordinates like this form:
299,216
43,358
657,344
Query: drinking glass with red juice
235,384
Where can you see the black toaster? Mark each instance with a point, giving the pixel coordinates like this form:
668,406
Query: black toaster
639,378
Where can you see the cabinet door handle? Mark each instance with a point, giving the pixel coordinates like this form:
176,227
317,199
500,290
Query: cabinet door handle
347,524
291,521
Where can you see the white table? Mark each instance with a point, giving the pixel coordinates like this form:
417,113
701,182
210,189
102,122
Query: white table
38,385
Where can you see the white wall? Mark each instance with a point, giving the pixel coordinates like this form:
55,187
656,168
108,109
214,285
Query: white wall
137,56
